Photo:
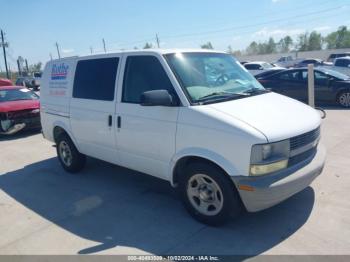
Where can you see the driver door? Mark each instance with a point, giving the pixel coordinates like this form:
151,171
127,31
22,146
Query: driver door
145,135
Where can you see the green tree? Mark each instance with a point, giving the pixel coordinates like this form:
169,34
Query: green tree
303,42
207,46
270,46
148,46
339,38
315,41
285,44
35,67
252,49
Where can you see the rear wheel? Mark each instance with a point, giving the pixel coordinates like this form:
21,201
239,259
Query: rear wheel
68,155
208,194
344,98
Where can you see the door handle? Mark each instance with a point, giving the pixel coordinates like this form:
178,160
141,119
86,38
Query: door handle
109,120
119,122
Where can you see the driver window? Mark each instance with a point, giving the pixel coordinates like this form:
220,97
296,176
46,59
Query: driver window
143,73
321,78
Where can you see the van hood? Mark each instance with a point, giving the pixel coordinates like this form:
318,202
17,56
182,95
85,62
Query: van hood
276,116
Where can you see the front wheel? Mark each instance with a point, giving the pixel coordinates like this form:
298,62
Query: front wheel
344,98
208,194
70,158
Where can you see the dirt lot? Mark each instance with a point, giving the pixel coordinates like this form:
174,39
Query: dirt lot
111,210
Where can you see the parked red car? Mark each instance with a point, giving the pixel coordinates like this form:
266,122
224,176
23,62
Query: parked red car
19,109
5,82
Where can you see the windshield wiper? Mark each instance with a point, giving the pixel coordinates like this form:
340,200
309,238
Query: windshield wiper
254,91
219,96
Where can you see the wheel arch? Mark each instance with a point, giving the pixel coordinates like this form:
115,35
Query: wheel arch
59,128
198,155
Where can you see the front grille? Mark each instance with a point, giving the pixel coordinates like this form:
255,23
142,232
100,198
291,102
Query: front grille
304,139
301,157
22,114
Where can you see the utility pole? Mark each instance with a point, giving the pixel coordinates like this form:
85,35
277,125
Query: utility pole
19,68
4,45
157,39
104,45
91,50
58,51
27,66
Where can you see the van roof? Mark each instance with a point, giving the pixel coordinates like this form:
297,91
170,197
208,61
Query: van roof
148,51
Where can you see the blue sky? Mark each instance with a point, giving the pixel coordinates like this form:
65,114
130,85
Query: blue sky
33,27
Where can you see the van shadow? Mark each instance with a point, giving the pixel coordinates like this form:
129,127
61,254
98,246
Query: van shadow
120,207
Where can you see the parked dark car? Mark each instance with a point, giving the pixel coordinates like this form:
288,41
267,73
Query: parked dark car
19,109
269,72
330,86
315,62
332,57
29,82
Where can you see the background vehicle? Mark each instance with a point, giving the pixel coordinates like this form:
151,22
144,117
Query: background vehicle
269,72
286,61
314,61
332,57
28,81
330,86
5,82
19,109
342,65
258,67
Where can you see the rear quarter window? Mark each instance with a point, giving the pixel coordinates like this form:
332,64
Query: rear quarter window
95,79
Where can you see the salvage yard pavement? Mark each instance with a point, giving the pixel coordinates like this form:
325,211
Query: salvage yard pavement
111,210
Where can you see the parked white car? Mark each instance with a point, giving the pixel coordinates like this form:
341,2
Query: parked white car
259,67
342,65
192,117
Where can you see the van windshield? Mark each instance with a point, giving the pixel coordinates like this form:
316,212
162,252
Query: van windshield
212,77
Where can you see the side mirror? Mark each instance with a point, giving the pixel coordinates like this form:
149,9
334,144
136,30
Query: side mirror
157,98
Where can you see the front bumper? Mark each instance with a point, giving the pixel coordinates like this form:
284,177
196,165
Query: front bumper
18,124
269,190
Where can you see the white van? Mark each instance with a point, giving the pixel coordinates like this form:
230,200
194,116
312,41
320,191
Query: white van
195,118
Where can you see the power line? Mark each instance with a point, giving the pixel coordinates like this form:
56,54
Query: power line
239,27
251,25
264,14
280,26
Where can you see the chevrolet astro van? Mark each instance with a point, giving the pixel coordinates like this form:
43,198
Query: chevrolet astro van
195,118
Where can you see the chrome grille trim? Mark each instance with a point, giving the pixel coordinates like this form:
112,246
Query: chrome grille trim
304,139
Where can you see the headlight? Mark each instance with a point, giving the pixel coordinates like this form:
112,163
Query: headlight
268,158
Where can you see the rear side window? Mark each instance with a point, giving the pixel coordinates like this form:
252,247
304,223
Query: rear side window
342,62
253,67
143,73
95,79
290,76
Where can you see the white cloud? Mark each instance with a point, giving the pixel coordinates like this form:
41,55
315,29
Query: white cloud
322,28
266,32
67,51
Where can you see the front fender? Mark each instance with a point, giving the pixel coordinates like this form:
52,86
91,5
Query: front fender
216,158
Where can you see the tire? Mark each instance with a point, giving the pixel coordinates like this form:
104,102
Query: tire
343,98
70,158
197,187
